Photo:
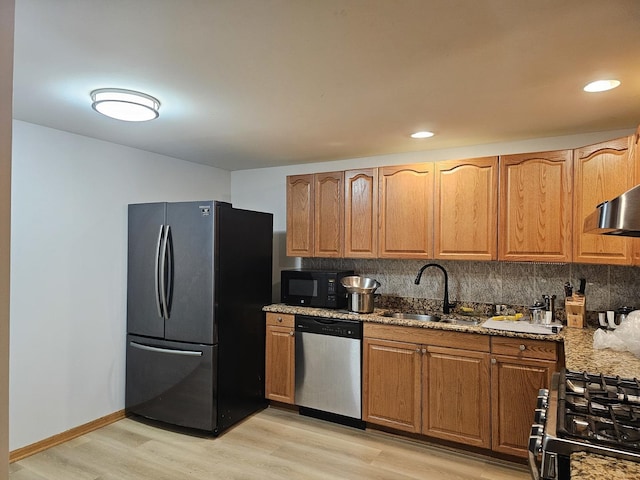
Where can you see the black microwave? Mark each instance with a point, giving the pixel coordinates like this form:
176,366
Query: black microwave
314,288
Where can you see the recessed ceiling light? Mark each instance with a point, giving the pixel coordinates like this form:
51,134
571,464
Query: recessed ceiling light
422,135
601,85
126,105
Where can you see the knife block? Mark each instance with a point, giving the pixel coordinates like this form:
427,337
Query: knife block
575,307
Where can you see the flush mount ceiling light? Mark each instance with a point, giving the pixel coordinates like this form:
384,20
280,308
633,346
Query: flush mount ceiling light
422,135
126,105
601,85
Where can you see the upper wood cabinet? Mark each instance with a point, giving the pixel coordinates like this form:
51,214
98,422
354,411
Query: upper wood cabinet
300,215
602,172
361,213
406,211
634,155
329,214
315,209
466,209
535,207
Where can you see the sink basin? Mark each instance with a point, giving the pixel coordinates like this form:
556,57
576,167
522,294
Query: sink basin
460,321
413,316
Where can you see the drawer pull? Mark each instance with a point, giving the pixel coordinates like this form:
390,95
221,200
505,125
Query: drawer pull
292,333
280,319
522,348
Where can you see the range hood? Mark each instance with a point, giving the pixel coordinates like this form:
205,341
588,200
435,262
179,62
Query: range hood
620,216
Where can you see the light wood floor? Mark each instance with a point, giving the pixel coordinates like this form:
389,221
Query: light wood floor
273,444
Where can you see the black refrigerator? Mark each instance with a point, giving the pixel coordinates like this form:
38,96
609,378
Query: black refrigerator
198,276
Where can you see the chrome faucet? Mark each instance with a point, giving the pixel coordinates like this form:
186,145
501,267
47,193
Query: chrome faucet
445,303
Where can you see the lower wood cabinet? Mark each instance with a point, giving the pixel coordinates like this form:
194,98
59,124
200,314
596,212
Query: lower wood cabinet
456,396
424,388
519,368
468,388
391,384
280,358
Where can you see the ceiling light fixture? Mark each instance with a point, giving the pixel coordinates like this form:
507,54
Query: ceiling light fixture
422,135
601,85
126,105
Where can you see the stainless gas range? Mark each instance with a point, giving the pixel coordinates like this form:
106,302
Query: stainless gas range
584,412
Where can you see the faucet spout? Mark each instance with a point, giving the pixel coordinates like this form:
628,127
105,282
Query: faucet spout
445,302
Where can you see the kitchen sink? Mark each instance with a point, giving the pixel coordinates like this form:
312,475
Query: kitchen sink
460,321
432,318
413,316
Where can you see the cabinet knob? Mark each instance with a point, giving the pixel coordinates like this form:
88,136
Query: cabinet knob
424,350
280,319
292,333
417,350
493,361
522,348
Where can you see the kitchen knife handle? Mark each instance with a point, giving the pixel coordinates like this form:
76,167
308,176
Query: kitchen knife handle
157,277
149,348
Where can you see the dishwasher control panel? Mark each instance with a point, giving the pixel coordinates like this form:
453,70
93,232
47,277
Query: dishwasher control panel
329,326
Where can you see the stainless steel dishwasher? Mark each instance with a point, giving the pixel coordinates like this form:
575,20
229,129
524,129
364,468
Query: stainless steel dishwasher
329,369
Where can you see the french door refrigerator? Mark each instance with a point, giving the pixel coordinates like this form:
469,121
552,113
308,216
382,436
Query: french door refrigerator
198,276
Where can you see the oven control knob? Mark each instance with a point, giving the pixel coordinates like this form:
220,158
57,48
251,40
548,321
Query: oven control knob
542,403
543,392
535,445
540,415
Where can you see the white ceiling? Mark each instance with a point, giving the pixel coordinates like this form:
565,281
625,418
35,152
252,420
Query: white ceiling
253,83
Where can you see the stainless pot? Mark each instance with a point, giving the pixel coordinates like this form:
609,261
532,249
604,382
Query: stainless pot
360,293
360,302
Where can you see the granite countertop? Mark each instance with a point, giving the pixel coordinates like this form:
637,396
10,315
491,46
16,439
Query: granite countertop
378,317
579,355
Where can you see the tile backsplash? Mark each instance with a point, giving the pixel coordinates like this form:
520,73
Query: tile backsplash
512,283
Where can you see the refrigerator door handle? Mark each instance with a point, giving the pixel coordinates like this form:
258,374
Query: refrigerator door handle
189,353
157,277
169,259
163,267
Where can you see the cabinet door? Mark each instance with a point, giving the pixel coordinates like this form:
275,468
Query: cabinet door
456,401
280,363
514,391
361,213
466,209
300,215
602,172
535,207
406,211
329,211
391,384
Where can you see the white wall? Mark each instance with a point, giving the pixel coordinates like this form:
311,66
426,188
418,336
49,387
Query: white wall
265,188
68,278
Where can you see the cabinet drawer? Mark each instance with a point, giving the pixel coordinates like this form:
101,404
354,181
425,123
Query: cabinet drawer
524,348
427,336
280,319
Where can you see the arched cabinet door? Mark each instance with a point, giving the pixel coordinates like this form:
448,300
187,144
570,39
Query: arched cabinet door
535,207
406,211
361,213
602,172
466,209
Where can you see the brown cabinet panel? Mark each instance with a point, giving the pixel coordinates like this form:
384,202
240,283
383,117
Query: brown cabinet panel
634,155
300,215
280,358
466,209
535,207
514,390
329,211
391,384
361,213
524,348
406,211
456,396
602,172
